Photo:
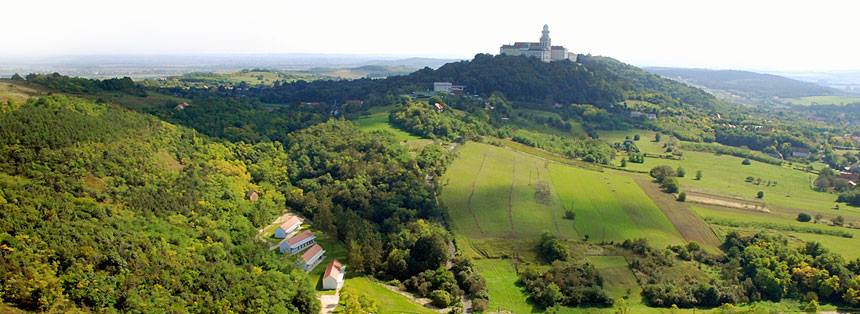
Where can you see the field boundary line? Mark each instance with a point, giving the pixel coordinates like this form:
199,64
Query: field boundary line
472,193
511,197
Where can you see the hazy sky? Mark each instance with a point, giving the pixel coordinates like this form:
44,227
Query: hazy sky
751,34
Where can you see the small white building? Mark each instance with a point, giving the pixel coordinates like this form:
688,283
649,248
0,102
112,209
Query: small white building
312,257
448,88
291,224
297,243
333,276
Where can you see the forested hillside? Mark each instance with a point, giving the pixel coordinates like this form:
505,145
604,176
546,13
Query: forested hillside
104,208
593,80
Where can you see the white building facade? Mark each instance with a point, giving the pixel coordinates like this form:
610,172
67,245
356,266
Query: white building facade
543,50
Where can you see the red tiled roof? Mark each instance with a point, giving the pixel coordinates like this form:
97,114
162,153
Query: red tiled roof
299,238
334,269
311,252
293,220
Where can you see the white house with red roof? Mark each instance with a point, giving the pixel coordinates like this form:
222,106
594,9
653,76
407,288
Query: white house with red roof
288,226
333,276
312,257
297,243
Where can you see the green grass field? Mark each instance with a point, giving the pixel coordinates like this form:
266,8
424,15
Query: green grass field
495,193
505,293
388,301
618,280
611,207
783,223
825,100
725,176
379,122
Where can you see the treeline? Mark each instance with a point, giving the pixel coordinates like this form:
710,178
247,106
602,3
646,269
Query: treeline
759,267
568,284
729,150
578,148
79,85
750,138
423,119
108,210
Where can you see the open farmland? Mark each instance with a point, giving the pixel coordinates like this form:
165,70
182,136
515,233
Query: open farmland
789,189
388,301
496,193
838,239
379,122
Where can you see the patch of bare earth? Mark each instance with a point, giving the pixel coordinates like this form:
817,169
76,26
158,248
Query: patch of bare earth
690,225
709,199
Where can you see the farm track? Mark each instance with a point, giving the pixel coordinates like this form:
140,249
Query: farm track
552,192
511,198
472,193
688,224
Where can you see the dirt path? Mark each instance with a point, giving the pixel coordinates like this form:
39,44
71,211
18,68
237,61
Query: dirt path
690,225
472,193
329,302
707,199
511,198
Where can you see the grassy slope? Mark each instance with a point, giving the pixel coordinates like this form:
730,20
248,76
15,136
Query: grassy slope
724,175
612,207
502,286
491,193
388,301
846,246
379,121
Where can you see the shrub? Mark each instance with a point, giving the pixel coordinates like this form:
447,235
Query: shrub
682,197
479,305
551,249
698,174
760,194
636,137
746,162
839,220
661,172
680,172
670,185
440,298
804,217
569,214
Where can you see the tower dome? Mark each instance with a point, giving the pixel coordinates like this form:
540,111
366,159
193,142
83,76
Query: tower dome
545,42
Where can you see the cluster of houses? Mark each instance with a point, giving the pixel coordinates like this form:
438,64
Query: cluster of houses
304,242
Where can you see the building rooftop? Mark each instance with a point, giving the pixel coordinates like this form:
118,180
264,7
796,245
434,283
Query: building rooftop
300,238
310,253
290,222
335,269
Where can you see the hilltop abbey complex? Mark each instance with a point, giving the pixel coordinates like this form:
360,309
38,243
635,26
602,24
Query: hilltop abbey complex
544,50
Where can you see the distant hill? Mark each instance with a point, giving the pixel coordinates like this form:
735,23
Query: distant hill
744,85
593,80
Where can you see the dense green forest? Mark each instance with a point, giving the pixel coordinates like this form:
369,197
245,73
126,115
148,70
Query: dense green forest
104,208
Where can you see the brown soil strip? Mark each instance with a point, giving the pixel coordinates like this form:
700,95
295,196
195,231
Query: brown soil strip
690,225
707,199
